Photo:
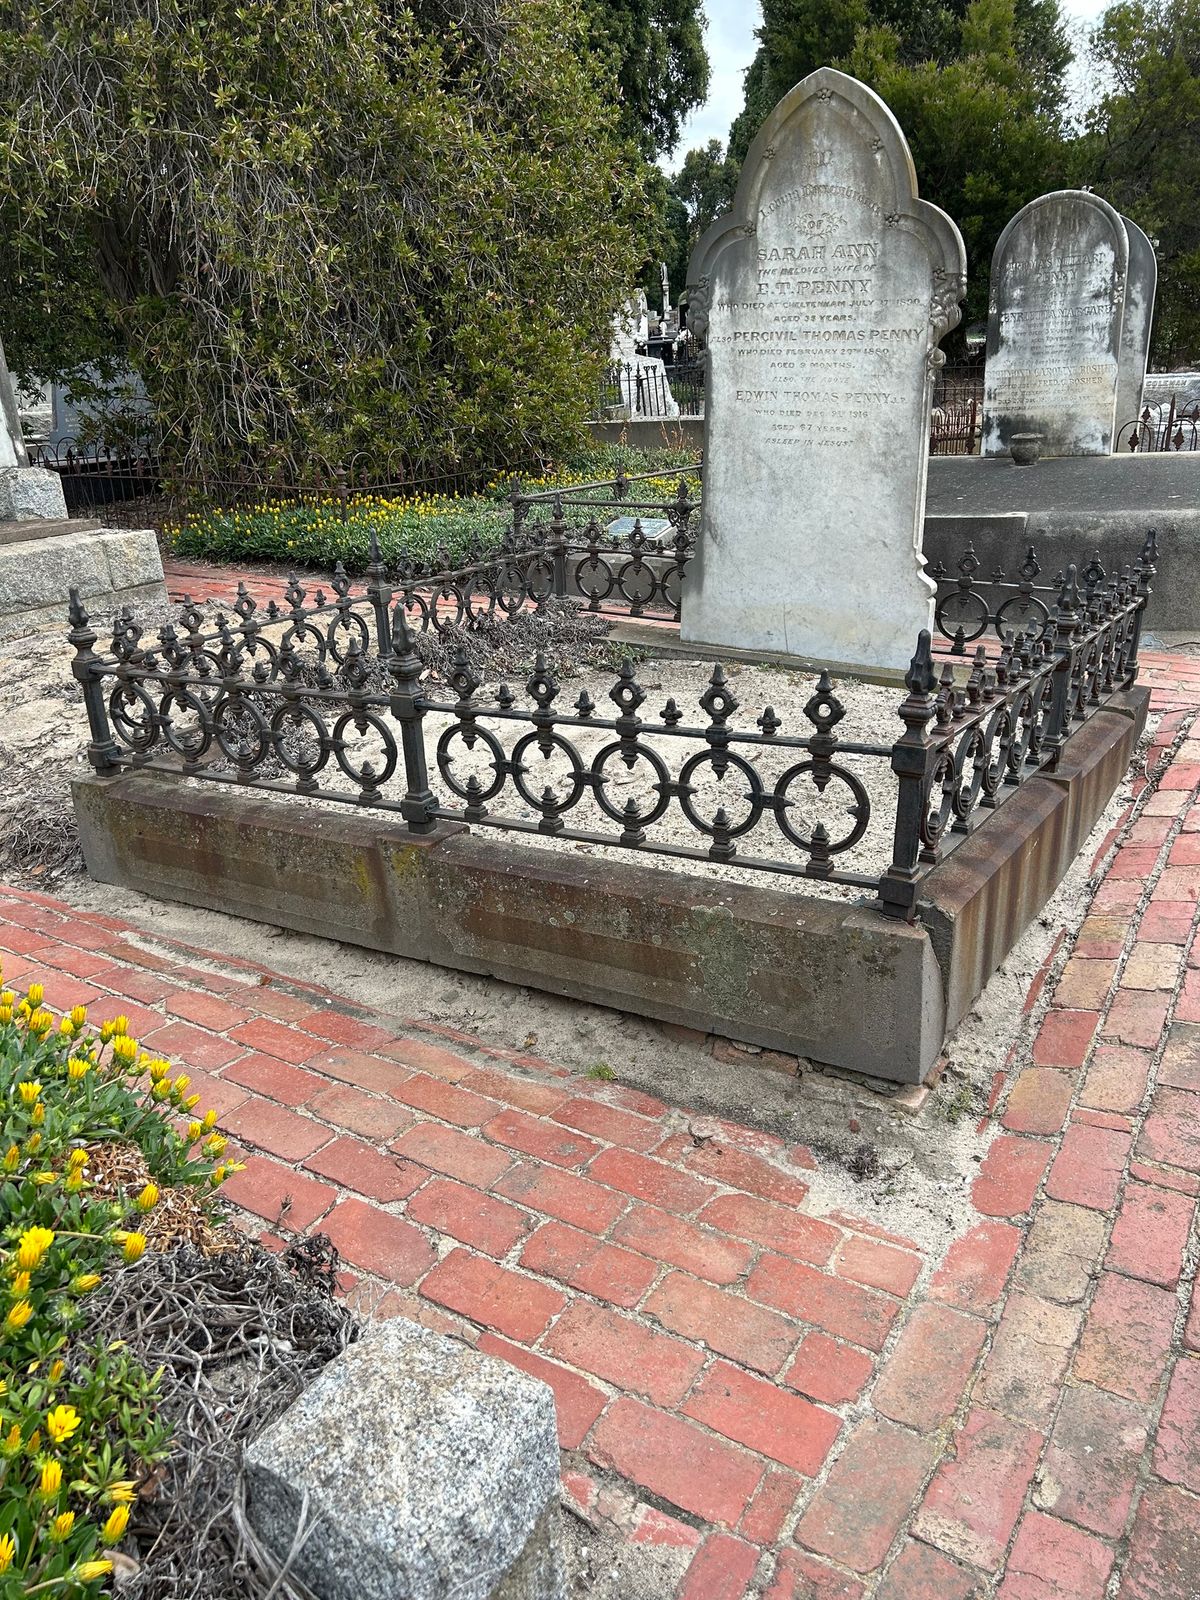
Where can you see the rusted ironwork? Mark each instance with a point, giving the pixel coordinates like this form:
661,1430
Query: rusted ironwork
1166,426
330,686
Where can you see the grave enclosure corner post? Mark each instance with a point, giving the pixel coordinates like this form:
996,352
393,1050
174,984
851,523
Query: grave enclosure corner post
405,705
912,758
102,747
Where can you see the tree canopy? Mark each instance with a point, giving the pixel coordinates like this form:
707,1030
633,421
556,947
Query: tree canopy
657,54
316,230
1141,149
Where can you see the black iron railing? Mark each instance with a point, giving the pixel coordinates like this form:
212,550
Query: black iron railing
327,695
1165,426
629,389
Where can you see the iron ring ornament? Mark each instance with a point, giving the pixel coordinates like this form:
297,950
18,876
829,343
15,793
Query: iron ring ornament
821,774
548,802
472,790
631,815
721,761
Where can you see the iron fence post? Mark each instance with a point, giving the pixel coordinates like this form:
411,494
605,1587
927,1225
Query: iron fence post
1066,626
1146,568
379,592
405,666
911,762
558,548
103,750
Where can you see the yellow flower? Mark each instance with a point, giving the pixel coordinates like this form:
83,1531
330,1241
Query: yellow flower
124,1048
12,1441
148,1198
120,1024
7,998
106,1032
79,1015
192,1101
62,1422
35,994
29,1092
73,1182
217,1177
33,1244
122,1492
193,1133
77,1068
42,1179
132,1244
51,1479
66,1028
20,1284
5,1014
18,1315
84,1282
57,1368
158,1070
181,1083
89,1571
209,1122
78,1158
41,1022
113,1530
8,1549
38,1114
215,1144
33,1144
12,1158
60,1528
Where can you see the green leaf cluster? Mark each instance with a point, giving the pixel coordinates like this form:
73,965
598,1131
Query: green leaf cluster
322,230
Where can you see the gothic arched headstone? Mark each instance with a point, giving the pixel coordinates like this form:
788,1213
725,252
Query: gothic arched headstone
823,296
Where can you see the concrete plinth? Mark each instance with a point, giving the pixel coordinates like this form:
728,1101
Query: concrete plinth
29,493
40,561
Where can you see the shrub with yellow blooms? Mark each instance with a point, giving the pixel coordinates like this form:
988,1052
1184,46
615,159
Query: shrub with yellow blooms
78,1424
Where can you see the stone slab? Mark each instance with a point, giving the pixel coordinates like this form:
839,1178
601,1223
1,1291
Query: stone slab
429,1469
1055,316
110,567
823,295
31,492
1135,329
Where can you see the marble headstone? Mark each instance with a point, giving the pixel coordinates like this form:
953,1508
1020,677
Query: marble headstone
1135,330
12,441
1055,317
823,296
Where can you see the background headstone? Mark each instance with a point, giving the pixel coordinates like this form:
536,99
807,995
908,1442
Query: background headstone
12,441
1140,286
823,296
1054,326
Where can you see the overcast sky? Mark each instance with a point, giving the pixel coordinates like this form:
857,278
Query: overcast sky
730,37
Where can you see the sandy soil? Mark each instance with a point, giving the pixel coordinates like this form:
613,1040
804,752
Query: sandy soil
912,1172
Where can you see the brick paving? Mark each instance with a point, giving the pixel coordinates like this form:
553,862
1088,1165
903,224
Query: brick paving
807,1406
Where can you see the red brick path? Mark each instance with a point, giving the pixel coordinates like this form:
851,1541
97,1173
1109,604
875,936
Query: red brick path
802,1401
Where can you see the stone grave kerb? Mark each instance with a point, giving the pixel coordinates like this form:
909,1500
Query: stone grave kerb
846,576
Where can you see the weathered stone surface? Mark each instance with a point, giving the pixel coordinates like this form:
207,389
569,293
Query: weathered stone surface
431,1470
1055,317
823,295
27,492
110,567
1140,288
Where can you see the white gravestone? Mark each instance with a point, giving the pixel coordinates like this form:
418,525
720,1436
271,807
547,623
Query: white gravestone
1055,316
823,295
27,494
1135,330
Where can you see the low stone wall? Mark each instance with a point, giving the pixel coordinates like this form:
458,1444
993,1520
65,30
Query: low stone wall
1073,505
41,561
652,433
779,967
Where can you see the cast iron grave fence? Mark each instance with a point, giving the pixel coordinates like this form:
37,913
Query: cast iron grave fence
327,696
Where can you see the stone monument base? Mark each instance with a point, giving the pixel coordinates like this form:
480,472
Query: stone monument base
30,494
41,560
